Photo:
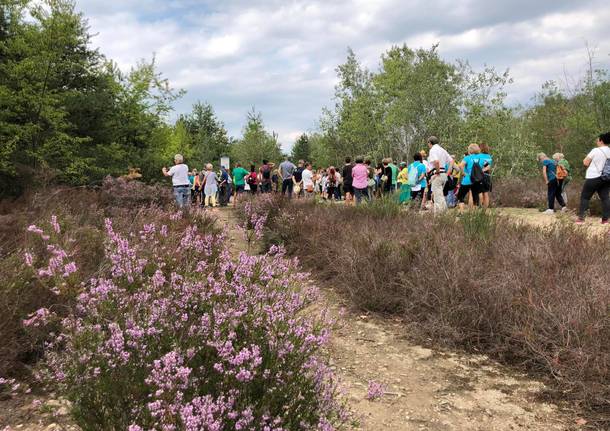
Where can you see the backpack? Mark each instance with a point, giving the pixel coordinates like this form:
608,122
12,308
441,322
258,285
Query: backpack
413,176
252,178
605,176
561,172
266,172
476,174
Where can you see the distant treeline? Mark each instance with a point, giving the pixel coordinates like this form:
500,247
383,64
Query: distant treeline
415,94
68,114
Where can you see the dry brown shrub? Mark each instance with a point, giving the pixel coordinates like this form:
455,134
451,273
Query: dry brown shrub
535,298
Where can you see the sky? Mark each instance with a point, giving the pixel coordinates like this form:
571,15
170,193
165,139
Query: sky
280,56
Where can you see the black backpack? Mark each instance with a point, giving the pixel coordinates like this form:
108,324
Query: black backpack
476,174
266,172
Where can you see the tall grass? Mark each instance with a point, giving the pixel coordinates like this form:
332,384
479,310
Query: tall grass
535,298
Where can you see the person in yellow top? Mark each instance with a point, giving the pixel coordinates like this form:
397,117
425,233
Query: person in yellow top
403,183
403,175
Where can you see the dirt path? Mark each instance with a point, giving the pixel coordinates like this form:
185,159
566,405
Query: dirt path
537,218
426,389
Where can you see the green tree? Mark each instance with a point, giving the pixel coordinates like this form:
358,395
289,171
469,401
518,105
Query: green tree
256,144
209,137
301,150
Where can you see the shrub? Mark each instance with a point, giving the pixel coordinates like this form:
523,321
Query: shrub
120,192
81,212
531,297
173,333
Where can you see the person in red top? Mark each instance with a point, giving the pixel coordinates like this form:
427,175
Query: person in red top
360,180
252,179
265,177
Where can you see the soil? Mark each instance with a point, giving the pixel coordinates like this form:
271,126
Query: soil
425,388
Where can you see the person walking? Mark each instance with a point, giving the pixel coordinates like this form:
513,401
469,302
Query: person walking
597,178
239,179
440,164
252,180
549,174
210,188
348,191
297,179
224,187
332,183
360,180
308,179
394,169
403,184
386,176
265,175
472,177
486,187
417,177
287,169
564,174
180,180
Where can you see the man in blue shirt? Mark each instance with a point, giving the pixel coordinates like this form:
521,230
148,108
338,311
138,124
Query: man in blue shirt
287,169
549,174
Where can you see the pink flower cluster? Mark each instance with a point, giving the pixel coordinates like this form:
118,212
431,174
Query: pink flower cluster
59,264
188,337
375,390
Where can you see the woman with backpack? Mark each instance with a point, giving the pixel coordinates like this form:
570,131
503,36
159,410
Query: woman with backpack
549,174
472,179
564,176
597,179
417,177
252,180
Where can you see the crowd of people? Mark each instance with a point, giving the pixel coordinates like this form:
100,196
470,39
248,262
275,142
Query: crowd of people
433,180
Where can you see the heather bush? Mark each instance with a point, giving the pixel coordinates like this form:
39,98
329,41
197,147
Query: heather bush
81,235
174,333
121,192
538,298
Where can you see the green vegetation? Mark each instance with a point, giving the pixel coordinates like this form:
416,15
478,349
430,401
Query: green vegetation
415,94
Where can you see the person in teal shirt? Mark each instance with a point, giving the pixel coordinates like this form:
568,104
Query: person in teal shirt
486,189
549,174
417,190
467,187
239,175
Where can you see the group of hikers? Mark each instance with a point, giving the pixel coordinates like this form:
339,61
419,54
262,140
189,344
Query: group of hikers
433,180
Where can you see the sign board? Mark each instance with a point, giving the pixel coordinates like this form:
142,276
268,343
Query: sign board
225,161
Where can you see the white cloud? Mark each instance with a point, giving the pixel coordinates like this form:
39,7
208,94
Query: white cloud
281,56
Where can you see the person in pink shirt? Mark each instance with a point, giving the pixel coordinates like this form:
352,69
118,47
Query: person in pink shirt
360,180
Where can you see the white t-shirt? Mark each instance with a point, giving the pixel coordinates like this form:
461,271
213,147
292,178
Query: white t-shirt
598,158
307,178
179,174
439,153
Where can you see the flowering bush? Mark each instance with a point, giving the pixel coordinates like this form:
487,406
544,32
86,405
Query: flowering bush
375,390
178,335
255,214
